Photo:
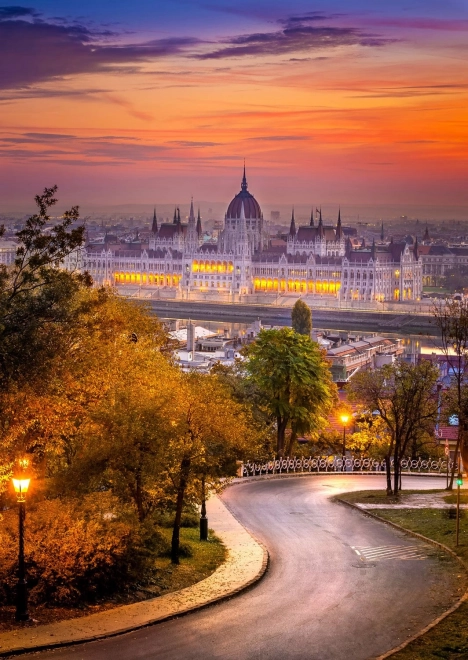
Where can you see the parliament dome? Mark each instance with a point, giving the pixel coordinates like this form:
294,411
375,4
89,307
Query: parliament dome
252,208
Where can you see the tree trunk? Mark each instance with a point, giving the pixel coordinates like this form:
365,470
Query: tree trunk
463,435
455,458
139,496
388,475
183,479
396,472
291,442
281,423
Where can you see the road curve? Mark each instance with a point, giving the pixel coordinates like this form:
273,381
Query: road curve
318,601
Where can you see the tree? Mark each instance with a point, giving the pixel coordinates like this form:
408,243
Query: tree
451,319
210,432
301,317
404,396
456,279
292,372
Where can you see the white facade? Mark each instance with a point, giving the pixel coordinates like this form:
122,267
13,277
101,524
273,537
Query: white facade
316,260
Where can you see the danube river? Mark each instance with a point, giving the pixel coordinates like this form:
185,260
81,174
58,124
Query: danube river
413,344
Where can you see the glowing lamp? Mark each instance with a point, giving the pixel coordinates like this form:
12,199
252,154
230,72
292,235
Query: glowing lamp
21,487
344,418
459,481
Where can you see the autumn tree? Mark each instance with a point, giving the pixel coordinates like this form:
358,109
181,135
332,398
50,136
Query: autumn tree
301,317
451,320
209,432
404,396
292,372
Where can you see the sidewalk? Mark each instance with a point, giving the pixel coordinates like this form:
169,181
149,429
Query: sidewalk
246,563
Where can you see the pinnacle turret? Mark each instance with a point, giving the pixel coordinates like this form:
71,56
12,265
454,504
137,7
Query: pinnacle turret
154,226
292,228
339,229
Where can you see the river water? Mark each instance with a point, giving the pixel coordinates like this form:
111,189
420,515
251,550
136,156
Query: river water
412,344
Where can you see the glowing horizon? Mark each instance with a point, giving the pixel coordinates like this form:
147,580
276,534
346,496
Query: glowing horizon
126,105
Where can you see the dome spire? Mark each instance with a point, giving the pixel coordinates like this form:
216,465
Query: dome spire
244,180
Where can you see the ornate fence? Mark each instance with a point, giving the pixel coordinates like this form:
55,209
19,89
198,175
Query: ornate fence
338,464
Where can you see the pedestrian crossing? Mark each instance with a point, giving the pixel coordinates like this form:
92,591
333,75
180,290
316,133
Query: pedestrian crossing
404,552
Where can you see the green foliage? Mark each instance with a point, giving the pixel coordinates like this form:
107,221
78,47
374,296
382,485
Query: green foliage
295,379
301,317
37,297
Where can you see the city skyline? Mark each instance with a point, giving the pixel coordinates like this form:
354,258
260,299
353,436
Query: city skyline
340,103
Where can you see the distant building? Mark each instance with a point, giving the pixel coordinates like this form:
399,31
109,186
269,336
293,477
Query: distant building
315,259
8,252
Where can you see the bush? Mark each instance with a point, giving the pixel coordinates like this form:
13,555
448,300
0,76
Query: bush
77,551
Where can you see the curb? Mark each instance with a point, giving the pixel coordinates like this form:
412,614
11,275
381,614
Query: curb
441,546
156,620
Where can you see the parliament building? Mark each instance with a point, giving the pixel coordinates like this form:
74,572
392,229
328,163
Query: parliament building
315,260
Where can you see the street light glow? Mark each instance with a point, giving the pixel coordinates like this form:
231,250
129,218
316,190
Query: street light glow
344,418
21,487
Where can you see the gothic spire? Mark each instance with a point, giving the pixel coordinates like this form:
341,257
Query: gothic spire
321,233
178,215
244,180
292,228
426,236
175,216
312,223
192,213
154,226
339,230
199,226
382,234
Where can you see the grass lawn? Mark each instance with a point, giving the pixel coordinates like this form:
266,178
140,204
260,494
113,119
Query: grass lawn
205,559
449,639
378,496
207,556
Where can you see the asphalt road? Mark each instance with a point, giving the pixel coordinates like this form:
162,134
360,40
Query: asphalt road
318,601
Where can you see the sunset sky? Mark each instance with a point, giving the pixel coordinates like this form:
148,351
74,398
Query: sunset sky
351,102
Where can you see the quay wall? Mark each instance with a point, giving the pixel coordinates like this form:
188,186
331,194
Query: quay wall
326,319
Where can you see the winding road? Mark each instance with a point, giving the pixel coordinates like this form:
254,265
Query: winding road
319,600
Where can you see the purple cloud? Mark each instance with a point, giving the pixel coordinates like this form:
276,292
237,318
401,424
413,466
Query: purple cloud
37,51
294,39
13,11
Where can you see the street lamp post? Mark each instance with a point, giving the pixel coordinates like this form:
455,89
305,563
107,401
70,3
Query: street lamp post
203,518
344,419
21,485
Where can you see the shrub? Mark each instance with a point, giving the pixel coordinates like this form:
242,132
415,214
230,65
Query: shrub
77,551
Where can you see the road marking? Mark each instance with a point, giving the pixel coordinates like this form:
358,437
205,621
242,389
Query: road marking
403,552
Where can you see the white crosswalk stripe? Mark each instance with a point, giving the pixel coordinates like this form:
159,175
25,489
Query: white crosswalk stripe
389,552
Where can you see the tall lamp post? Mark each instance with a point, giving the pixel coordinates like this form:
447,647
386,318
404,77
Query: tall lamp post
21,485
344,420
203,518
